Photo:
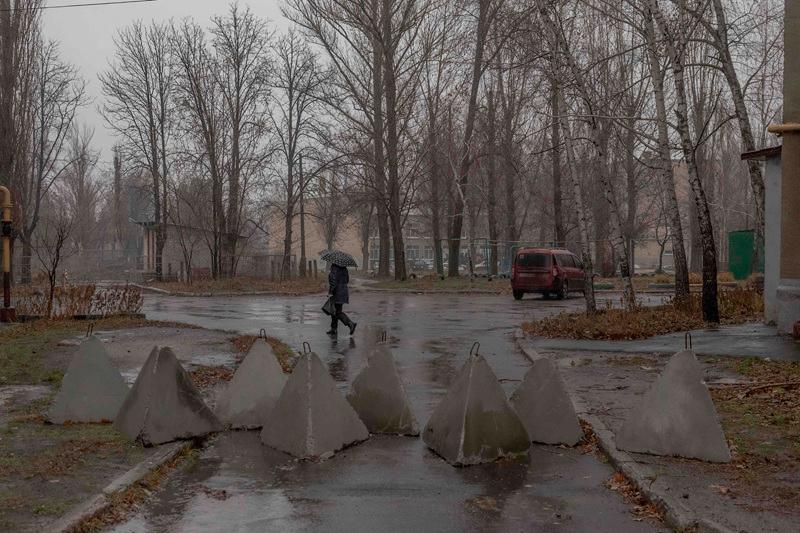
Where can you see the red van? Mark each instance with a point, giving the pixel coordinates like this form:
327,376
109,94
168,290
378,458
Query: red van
548,271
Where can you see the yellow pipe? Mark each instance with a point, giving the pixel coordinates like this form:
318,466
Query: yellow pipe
6,206
780,129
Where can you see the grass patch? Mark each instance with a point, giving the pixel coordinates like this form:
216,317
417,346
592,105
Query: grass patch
286,356
22,346
46,469
736,306
761,419
31,448
642,282
54,507
245,285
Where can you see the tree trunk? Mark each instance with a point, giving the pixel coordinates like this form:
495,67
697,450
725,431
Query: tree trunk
558,214
7,79
508,104
436,201
581,211
491,182
742,114
469,126
710,303
303,259
377,146
666,174
286,263
26,273
631,192
366,233
392,142
616,236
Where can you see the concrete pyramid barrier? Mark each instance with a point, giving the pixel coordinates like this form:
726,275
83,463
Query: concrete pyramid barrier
543,405
676,416
379,397
252,393
474,423
92,389
311,417
164,405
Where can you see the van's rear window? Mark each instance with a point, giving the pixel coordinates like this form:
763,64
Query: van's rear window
533,260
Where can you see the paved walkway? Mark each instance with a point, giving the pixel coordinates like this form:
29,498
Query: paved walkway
385,484
746,340
608,386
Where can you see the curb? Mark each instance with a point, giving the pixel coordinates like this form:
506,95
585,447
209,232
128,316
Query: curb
677,514
164,292
100,502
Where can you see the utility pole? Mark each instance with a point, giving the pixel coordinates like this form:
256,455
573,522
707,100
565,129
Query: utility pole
302,220
7,313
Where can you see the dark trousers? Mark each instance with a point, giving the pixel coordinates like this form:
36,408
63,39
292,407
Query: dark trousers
339,316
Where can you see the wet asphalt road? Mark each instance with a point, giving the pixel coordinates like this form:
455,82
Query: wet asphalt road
387,483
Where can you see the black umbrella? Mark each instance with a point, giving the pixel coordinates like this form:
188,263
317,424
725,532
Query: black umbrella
339,258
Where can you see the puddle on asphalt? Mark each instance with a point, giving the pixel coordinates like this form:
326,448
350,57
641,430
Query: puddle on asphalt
224,359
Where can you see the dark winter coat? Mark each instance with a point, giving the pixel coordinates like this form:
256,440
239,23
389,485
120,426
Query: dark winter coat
338,278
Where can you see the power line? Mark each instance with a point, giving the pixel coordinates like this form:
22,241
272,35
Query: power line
85,4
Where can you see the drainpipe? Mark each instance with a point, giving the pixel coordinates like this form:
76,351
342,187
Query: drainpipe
7,313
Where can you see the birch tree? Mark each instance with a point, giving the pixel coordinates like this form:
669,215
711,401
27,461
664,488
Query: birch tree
675,43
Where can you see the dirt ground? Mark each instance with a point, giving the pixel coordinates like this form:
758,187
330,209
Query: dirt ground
760,489
45,470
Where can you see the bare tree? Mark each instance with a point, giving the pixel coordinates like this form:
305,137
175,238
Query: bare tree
241,41
139,87
80,188
487,14
51,246
294,115
19,32
187,199
665,159
56,93
676,42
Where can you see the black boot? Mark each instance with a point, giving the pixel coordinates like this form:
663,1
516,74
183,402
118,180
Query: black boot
332,333
347,322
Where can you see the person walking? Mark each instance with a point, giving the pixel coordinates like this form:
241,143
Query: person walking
338,278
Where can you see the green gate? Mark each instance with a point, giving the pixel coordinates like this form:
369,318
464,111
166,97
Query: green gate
740,254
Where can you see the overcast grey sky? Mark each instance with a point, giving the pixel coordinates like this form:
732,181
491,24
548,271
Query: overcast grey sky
86,35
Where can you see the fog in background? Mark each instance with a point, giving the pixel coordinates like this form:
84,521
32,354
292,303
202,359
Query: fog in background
86,37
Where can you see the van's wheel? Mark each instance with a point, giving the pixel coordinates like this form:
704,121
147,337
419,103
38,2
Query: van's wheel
518,295
563,291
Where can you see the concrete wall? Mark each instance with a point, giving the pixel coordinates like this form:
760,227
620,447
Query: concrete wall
772,238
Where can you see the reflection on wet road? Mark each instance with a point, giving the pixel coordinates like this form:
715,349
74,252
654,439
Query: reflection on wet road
385,484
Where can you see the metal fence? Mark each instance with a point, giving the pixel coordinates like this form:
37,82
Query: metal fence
476,256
